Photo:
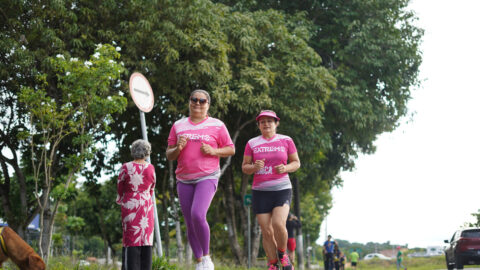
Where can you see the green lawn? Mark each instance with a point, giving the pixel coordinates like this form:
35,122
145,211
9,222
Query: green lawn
432,263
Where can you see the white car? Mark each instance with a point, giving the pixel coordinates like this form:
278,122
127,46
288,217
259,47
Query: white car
376,255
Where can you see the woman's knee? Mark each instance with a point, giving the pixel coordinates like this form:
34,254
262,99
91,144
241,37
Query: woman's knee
198,218
279,226
267,232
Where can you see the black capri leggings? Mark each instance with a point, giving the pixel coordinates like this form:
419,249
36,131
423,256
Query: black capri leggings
137,258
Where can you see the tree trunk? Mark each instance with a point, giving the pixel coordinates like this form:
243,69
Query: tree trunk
188,254
255,232
176,217
103,229
256,235
245,211
178,235
166,230
45,231
18,221
165,205
229,206
296,199
105,250
114,253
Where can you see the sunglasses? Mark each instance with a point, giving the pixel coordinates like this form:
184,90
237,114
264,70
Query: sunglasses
200,100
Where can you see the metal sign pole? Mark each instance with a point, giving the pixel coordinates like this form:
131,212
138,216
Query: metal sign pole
157,227
142,95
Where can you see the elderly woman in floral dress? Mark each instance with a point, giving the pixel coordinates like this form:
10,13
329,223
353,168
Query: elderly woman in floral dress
135,186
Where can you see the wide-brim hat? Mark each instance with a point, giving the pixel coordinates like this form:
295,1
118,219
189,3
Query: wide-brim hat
268,114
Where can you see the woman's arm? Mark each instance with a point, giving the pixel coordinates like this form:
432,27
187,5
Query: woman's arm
225,151
174,150
250,168
219,152
292,166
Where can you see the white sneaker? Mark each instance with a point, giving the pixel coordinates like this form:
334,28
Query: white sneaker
200,265
207,263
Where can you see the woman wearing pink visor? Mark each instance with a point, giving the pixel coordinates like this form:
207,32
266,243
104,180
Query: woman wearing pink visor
270,157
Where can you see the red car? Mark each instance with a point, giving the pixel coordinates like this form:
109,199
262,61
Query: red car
464,248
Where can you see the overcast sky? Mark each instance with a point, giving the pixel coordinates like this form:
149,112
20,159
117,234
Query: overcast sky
422,183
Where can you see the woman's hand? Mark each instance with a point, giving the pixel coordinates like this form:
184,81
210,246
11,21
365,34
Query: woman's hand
173,151
280,169
182,141
292,166
259,164
207,149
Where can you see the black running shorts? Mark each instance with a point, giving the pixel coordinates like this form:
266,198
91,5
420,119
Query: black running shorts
264,201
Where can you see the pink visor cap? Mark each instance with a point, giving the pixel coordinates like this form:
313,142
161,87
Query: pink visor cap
267,113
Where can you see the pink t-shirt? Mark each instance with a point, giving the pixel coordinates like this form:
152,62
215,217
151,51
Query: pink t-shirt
192,164
135,186
275,151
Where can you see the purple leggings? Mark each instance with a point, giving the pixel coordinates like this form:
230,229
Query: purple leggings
195,200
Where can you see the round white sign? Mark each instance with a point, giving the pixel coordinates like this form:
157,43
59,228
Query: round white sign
141,92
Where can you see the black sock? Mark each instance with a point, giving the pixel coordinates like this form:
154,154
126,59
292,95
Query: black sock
280,253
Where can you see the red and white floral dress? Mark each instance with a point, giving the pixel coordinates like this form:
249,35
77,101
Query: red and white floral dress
135,186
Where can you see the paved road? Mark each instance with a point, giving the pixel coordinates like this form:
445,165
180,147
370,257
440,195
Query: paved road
465,268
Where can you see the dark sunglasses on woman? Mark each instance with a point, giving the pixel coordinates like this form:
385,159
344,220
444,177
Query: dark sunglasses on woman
201,100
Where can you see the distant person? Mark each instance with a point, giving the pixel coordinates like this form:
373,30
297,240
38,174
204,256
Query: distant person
336,256
135,185
400,259
328,249
343,260
292,224
354,258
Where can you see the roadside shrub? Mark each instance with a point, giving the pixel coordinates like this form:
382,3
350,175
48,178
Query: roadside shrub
160,263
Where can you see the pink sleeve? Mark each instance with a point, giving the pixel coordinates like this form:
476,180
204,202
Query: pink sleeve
291,147
172,137
224,138
248,150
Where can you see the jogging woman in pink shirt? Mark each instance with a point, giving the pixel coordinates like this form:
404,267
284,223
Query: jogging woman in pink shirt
197,143
270,157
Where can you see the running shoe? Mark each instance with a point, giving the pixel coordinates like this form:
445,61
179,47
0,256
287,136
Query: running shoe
207,263
286,265
199,266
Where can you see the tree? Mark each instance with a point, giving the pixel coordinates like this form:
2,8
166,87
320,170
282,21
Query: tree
372,49
16,69
31,33
73,105
476,223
